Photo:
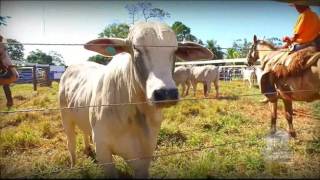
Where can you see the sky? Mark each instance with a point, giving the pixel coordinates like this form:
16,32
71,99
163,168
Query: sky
81,21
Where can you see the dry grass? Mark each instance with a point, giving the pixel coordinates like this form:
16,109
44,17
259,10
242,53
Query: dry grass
34,145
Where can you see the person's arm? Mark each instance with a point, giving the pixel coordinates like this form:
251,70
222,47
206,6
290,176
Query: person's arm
298,28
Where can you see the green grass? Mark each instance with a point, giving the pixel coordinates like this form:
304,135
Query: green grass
33,144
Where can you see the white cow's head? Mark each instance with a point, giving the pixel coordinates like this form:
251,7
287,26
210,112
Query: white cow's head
153,48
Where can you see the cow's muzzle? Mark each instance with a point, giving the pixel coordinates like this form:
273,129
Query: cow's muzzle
165,96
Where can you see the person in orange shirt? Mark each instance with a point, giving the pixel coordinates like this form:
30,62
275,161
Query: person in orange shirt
306,30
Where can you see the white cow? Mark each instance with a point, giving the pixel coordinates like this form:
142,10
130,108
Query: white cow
140,71
250,76
206,75
182,75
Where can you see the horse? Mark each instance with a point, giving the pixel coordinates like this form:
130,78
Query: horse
303,85
8,72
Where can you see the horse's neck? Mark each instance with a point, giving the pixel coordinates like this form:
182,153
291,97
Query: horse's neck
267,51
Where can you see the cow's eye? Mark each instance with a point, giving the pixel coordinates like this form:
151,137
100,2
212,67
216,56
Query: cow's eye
136,50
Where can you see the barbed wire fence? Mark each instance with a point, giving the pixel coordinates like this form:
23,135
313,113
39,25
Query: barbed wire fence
130,45
174,153
199,149
193,150
151,102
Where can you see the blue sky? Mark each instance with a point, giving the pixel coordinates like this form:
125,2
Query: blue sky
81,21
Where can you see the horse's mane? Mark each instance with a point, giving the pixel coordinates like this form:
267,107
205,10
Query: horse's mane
269,44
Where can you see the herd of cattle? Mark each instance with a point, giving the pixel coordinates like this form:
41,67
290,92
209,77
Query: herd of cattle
192,75
126,97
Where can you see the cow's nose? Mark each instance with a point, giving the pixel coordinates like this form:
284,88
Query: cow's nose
165,94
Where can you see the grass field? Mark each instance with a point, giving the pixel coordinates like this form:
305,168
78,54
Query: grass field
33,144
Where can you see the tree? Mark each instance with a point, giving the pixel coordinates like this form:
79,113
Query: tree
57,58
183,32
3,20
232,53
115,30
15,50
242,46
146,10
215,49
158,13
133,11
275,41
100,59
149,12
39,57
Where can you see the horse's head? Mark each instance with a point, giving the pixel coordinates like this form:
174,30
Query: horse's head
259,49
253,54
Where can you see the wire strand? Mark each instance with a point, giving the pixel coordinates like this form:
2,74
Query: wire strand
144,102
122,45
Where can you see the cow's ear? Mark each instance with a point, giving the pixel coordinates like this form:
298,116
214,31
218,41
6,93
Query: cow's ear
190,51
108,46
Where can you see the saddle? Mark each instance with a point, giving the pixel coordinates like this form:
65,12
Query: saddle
295,63
283,65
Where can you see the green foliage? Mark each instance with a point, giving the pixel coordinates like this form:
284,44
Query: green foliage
215,49
100,59
53,58
242,46
15,50
232,53
115,30
183,32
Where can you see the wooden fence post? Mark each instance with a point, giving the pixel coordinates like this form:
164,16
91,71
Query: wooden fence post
34,78
49,83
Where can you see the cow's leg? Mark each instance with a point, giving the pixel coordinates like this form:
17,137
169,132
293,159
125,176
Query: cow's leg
104,157
87,147
273,108
289,113
69,128
188,87
205,89
183,88
216,86
208,88
141,160
140,167
194,85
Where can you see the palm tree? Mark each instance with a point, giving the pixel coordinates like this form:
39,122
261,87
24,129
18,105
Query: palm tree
215,49
232,53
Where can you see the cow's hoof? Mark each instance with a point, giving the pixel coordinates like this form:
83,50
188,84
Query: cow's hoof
293,134
90,153
9,104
